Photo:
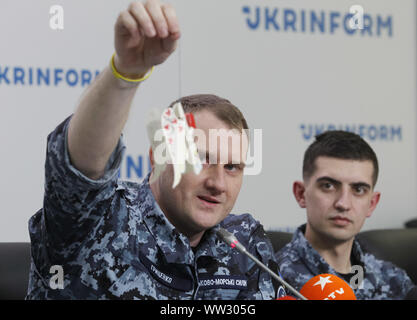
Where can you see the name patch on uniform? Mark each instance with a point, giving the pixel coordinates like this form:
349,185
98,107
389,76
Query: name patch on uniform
164,277
209,281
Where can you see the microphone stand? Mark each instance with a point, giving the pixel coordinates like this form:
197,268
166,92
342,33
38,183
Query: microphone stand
232,241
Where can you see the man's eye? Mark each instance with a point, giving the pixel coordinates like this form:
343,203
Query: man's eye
327,186
231,167
360,190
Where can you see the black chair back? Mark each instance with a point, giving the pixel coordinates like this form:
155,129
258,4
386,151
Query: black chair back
279,239
411,224
398,246
14,270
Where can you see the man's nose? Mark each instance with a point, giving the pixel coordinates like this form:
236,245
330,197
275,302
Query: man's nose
216,180
344,200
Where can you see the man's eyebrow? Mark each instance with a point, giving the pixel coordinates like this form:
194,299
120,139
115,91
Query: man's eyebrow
241,165
336,182
328,179
361,184
206,154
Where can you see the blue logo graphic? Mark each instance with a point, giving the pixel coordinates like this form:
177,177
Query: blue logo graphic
390,133
315,22
133,167
32,76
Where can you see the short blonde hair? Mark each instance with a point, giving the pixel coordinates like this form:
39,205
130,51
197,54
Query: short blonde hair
220,107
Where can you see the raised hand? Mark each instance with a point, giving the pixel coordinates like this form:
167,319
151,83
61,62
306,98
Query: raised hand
145,35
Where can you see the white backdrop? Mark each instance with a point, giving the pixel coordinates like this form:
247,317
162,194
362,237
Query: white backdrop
293,67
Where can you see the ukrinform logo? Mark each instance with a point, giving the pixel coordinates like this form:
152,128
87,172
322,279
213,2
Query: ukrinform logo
40,77
371,132
352,22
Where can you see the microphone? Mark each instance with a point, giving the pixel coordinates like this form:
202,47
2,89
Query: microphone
232,241
412,294
327,287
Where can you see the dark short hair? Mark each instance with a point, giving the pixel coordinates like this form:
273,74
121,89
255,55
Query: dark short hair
340,145
220,107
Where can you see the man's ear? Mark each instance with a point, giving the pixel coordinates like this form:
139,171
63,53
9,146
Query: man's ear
298,189
374,201
151,157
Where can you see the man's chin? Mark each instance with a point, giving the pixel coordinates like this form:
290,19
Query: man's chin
206,225
340,236
207,220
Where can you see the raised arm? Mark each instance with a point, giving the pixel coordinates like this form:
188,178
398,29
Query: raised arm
145,36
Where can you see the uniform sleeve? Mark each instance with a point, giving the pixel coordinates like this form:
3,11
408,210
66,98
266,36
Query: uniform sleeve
73,203
261,246
292,269
399,282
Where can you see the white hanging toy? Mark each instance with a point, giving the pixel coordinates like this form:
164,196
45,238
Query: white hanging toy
178,140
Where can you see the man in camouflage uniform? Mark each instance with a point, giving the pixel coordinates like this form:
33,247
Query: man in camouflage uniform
340,171
123,240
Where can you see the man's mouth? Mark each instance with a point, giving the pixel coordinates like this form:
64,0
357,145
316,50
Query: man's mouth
209,199
340,220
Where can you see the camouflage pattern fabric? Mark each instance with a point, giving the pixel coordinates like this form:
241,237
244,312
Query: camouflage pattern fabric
114,242
299,262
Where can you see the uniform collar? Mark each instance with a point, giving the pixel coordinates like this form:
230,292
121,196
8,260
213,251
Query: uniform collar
312,259
174,245
211,245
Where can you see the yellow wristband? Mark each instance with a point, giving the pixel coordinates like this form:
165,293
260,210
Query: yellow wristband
118,75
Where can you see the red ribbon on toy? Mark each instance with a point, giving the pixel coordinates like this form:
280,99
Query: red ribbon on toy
190,119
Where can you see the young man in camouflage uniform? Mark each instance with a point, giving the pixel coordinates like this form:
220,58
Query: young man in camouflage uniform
125,240
340,171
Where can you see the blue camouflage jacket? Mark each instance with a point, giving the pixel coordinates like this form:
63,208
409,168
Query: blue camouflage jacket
113,242
299,262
